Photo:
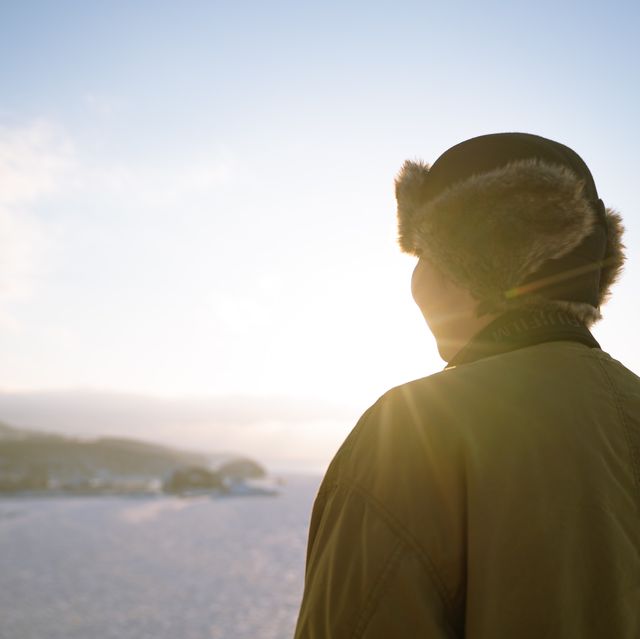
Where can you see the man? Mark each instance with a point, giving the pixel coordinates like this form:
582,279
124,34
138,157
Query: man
500,497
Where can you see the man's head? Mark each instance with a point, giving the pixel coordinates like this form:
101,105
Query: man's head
512,220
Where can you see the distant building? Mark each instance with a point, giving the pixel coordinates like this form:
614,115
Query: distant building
193,479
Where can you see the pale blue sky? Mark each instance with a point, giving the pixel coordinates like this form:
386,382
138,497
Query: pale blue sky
196,199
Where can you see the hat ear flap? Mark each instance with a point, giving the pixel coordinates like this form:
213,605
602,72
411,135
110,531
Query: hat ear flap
614,258
410,193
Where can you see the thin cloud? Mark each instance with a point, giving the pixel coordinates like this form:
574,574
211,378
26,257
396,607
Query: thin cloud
104,105
165,186
21,246
93,410
35,159
40,160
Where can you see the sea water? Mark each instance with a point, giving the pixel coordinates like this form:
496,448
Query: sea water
154,567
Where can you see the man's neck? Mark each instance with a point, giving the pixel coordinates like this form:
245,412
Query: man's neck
453,335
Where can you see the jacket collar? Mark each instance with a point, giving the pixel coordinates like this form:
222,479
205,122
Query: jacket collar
522,328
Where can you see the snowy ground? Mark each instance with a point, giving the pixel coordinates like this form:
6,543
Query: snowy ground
161,568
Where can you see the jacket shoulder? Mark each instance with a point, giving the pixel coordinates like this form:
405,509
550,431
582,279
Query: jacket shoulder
532,450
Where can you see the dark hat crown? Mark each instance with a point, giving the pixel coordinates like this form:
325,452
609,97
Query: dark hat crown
489,152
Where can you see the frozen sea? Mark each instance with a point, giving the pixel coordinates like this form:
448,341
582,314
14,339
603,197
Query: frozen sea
161,568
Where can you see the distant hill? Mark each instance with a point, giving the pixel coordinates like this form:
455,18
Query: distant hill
35,461
10,433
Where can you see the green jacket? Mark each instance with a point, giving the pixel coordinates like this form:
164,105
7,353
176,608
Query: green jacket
496,499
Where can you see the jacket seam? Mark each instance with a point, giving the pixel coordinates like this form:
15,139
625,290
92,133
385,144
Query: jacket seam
320,502
406,536
376,590
634,453
325,491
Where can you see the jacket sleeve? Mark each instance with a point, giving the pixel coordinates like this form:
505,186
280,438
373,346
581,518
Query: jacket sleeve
363,579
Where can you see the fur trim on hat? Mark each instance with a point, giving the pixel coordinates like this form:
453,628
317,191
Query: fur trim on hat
614,258
492,230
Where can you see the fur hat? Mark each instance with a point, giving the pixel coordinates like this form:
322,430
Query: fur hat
515,219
